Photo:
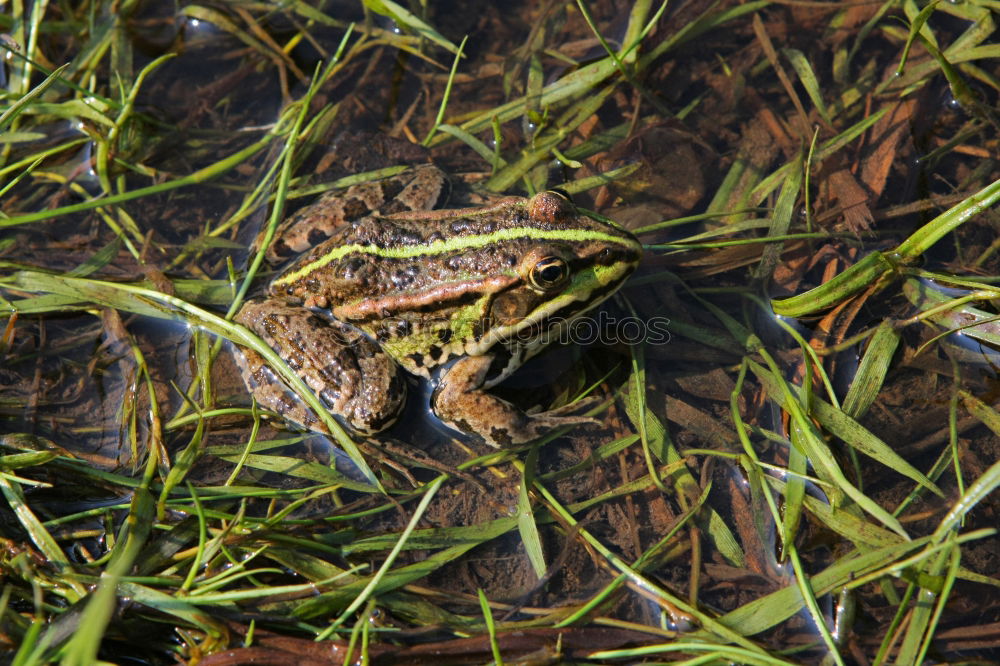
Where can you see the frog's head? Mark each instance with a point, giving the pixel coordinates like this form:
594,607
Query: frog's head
566,263
433,286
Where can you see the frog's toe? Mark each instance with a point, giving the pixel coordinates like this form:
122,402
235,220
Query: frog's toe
532,428
575,408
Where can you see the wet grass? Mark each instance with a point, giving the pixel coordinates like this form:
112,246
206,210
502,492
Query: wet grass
820,485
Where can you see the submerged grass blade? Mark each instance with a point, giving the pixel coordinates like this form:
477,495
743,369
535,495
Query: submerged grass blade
406,18
8,116
199,176
526,517
877,267
151,303
872,370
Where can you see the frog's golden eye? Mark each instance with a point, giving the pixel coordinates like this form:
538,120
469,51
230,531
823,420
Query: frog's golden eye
549,272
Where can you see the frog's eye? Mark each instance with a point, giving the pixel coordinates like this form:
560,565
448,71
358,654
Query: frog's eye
549,272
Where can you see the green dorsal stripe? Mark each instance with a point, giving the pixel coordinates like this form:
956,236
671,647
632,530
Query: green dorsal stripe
456,244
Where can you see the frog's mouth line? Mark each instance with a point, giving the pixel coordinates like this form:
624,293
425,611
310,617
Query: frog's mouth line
558,312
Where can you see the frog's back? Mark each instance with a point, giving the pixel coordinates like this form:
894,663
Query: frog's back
380,255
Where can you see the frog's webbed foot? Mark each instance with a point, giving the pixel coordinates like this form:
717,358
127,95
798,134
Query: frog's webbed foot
351,375
389,450
463,405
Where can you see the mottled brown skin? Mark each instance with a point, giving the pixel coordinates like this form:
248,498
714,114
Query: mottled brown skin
348,371
420,188
461,297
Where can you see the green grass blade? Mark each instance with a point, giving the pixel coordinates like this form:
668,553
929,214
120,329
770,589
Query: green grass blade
871,371
404,17
15,109
526,524
809,81
163,306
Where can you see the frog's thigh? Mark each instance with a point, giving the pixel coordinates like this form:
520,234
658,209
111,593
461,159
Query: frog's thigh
352,376
462,404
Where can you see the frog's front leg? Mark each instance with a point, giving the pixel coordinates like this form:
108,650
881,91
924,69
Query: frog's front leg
352,376
460,401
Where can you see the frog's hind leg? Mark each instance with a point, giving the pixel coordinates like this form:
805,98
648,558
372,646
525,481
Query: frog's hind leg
352,376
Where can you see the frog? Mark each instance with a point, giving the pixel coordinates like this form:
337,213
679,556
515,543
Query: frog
380,290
